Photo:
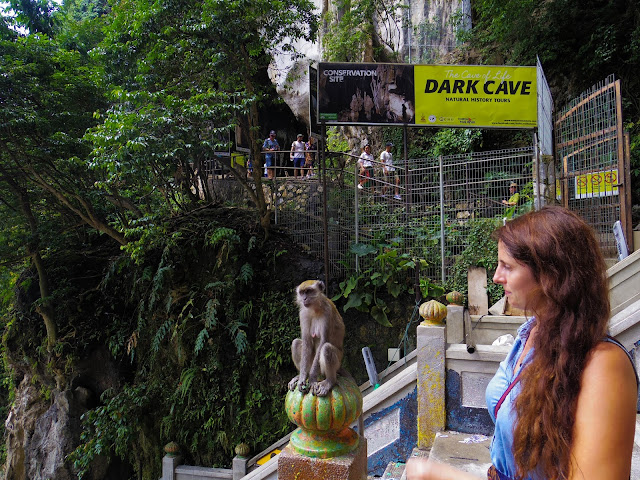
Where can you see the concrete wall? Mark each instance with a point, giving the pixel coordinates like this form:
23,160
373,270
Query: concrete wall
390,413
467,377
624,282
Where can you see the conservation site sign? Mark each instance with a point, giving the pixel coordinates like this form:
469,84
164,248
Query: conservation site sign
427,95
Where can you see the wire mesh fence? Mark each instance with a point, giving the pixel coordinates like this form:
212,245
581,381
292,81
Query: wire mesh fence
438,201
590,159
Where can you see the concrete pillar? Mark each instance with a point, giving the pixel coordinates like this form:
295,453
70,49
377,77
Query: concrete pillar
352,466
477,291
431,383
455,324
169,464
239,467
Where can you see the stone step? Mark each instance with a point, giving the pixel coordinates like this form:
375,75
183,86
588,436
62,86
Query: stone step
416,453
394,471
465,451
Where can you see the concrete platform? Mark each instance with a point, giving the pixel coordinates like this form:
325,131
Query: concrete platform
465,451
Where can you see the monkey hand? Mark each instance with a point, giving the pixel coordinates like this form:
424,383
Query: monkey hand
322,389
293,383
303,385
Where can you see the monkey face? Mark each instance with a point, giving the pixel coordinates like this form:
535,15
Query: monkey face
308,292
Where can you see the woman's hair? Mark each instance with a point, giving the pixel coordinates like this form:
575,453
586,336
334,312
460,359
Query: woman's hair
572,310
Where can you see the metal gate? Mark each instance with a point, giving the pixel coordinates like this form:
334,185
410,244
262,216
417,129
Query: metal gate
592,164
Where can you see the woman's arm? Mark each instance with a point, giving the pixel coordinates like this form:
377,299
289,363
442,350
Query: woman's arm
423,469
605,417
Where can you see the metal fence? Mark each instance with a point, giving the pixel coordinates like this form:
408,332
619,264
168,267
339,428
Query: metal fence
592,165
440,199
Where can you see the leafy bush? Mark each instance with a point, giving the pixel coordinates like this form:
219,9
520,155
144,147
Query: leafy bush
481,251
390,272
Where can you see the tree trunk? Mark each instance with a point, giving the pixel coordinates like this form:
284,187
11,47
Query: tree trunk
46,308
258,165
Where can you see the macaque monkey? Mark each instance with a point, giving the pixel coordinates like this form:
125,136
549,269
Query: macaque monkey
319,348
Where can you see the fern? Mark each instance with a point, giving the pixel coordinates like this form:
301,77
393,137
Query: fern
141,316
203,336
160,335
246,273
168,301
158,282
245,311
215,285
210,313
228,235
239,336
186,379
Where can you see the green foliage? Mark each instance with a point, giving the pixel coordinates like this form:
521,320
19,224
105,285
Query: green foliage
210,350
34,15
181,76
448,141
481,250
351,29
579,43
352,36
444,141
390,272
634,152
113,428
336,140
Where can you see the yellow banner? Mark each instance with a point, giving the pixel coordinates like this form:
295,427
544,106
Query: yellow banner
598,184
475,96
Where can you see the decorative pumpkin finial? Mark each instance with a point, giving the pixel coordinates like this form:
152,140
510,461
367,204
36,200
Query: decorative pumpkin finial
433,313
172,449
242,450
323,422
455,298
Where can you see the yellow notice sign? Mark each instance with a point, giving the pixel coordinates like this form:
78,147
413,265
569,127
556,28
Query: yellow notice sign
475,96
598,184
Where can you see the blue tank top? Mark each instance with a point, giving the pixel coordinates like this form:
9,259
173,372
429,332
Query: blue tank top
502,443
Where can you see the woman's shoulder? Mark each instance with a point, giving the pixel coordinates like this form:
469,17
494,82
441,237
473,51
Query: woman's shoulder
608,364
605,415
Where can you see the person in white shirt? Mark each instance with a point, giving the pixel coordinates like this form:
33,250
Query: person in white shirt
297,155
389,171
365,164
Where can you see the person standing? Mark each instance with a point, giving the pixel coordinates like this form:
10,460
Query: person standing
310,156
389,171
512,202
564,399
270,145
514,195
297,155
365,166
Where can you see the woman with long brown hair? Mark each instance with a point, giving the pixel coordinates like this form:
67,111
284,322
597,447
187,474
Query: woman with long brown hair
564,400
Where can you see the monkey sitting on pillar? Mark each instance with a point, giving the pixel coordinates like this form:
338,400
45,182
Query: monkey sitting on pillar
319,348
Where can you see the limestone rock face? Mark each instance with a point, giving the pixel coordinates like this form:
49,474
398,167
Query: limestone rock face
41,433
291,76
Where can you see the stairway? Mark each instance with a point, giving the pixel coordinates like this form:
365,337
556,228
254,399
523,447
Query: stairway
470,453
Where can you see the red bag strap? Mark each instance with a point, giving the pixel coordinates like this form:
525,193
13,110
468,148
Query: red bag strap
506,392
